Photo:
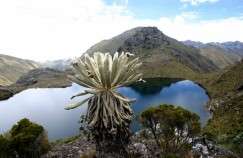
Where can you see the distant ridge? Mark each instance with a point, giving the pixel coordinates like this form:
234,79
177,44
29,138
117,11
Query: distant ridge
222,54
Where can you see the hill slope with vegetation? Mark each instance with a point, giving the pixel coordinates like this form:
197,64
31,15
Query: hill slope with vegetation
226,125
11,68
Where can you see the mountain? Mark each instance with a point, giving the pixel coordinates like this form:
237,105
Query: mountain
234,47
61,65
160,54
221,54
11,68
195,44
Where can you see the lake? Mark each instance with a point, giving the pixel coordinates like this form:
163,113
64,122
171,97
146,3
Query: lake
45,106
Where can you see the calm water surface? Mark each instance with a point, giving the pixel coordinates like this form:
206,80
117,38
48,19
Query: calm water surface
46,106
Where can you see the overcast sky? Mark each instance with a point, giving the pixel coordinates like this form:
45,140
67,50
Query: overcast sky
55,29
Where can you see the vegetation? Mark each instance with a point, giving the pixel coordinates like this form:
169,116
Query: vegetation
109,114
171,127
226,125
25,139
5,149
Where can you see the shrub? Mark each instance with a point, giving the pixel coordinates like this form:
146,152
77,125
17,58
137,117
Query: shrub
172,128
5,149
26,139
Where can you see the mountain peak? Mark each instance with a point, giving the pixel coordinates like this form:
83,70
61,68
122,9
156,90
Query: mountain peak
143,37
149,37
146,30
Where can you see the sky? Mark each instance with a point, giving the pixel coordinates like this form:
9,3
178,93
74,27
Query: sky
55,29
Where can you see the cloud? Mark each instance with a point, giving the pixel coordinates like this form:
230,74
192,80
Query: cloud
197,2
54,29
220,30
188,15
51,29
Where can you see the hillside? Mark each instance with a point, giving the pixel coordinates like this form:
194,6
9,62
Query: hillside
226,125
221,54
160,54
230,80
11,68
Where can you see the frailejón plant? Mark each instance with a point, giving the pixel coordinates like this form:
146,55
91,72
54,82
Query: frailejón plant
102,74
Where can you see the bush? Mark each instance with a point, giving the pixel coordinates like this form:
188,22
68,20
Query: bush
5,149
26,139
172,127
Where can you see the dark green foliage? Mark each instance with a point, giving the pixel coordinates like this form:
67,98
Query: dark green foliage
172,127
5,149
26,139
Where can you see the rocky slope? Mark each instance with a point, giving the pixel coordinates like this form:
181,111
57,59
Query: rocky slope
139,147
160,54
12,68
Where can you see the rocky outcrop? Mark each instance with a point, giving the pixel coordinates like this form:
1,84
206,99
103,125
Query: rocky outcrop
76,149
147,38
139,147
208,149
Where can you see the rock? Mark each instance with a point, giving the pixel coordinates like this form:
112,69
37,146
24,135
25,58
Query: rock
75,149
139,149
207,149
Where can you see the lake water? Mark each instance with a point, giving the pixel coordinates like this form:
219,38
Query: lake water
46,105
